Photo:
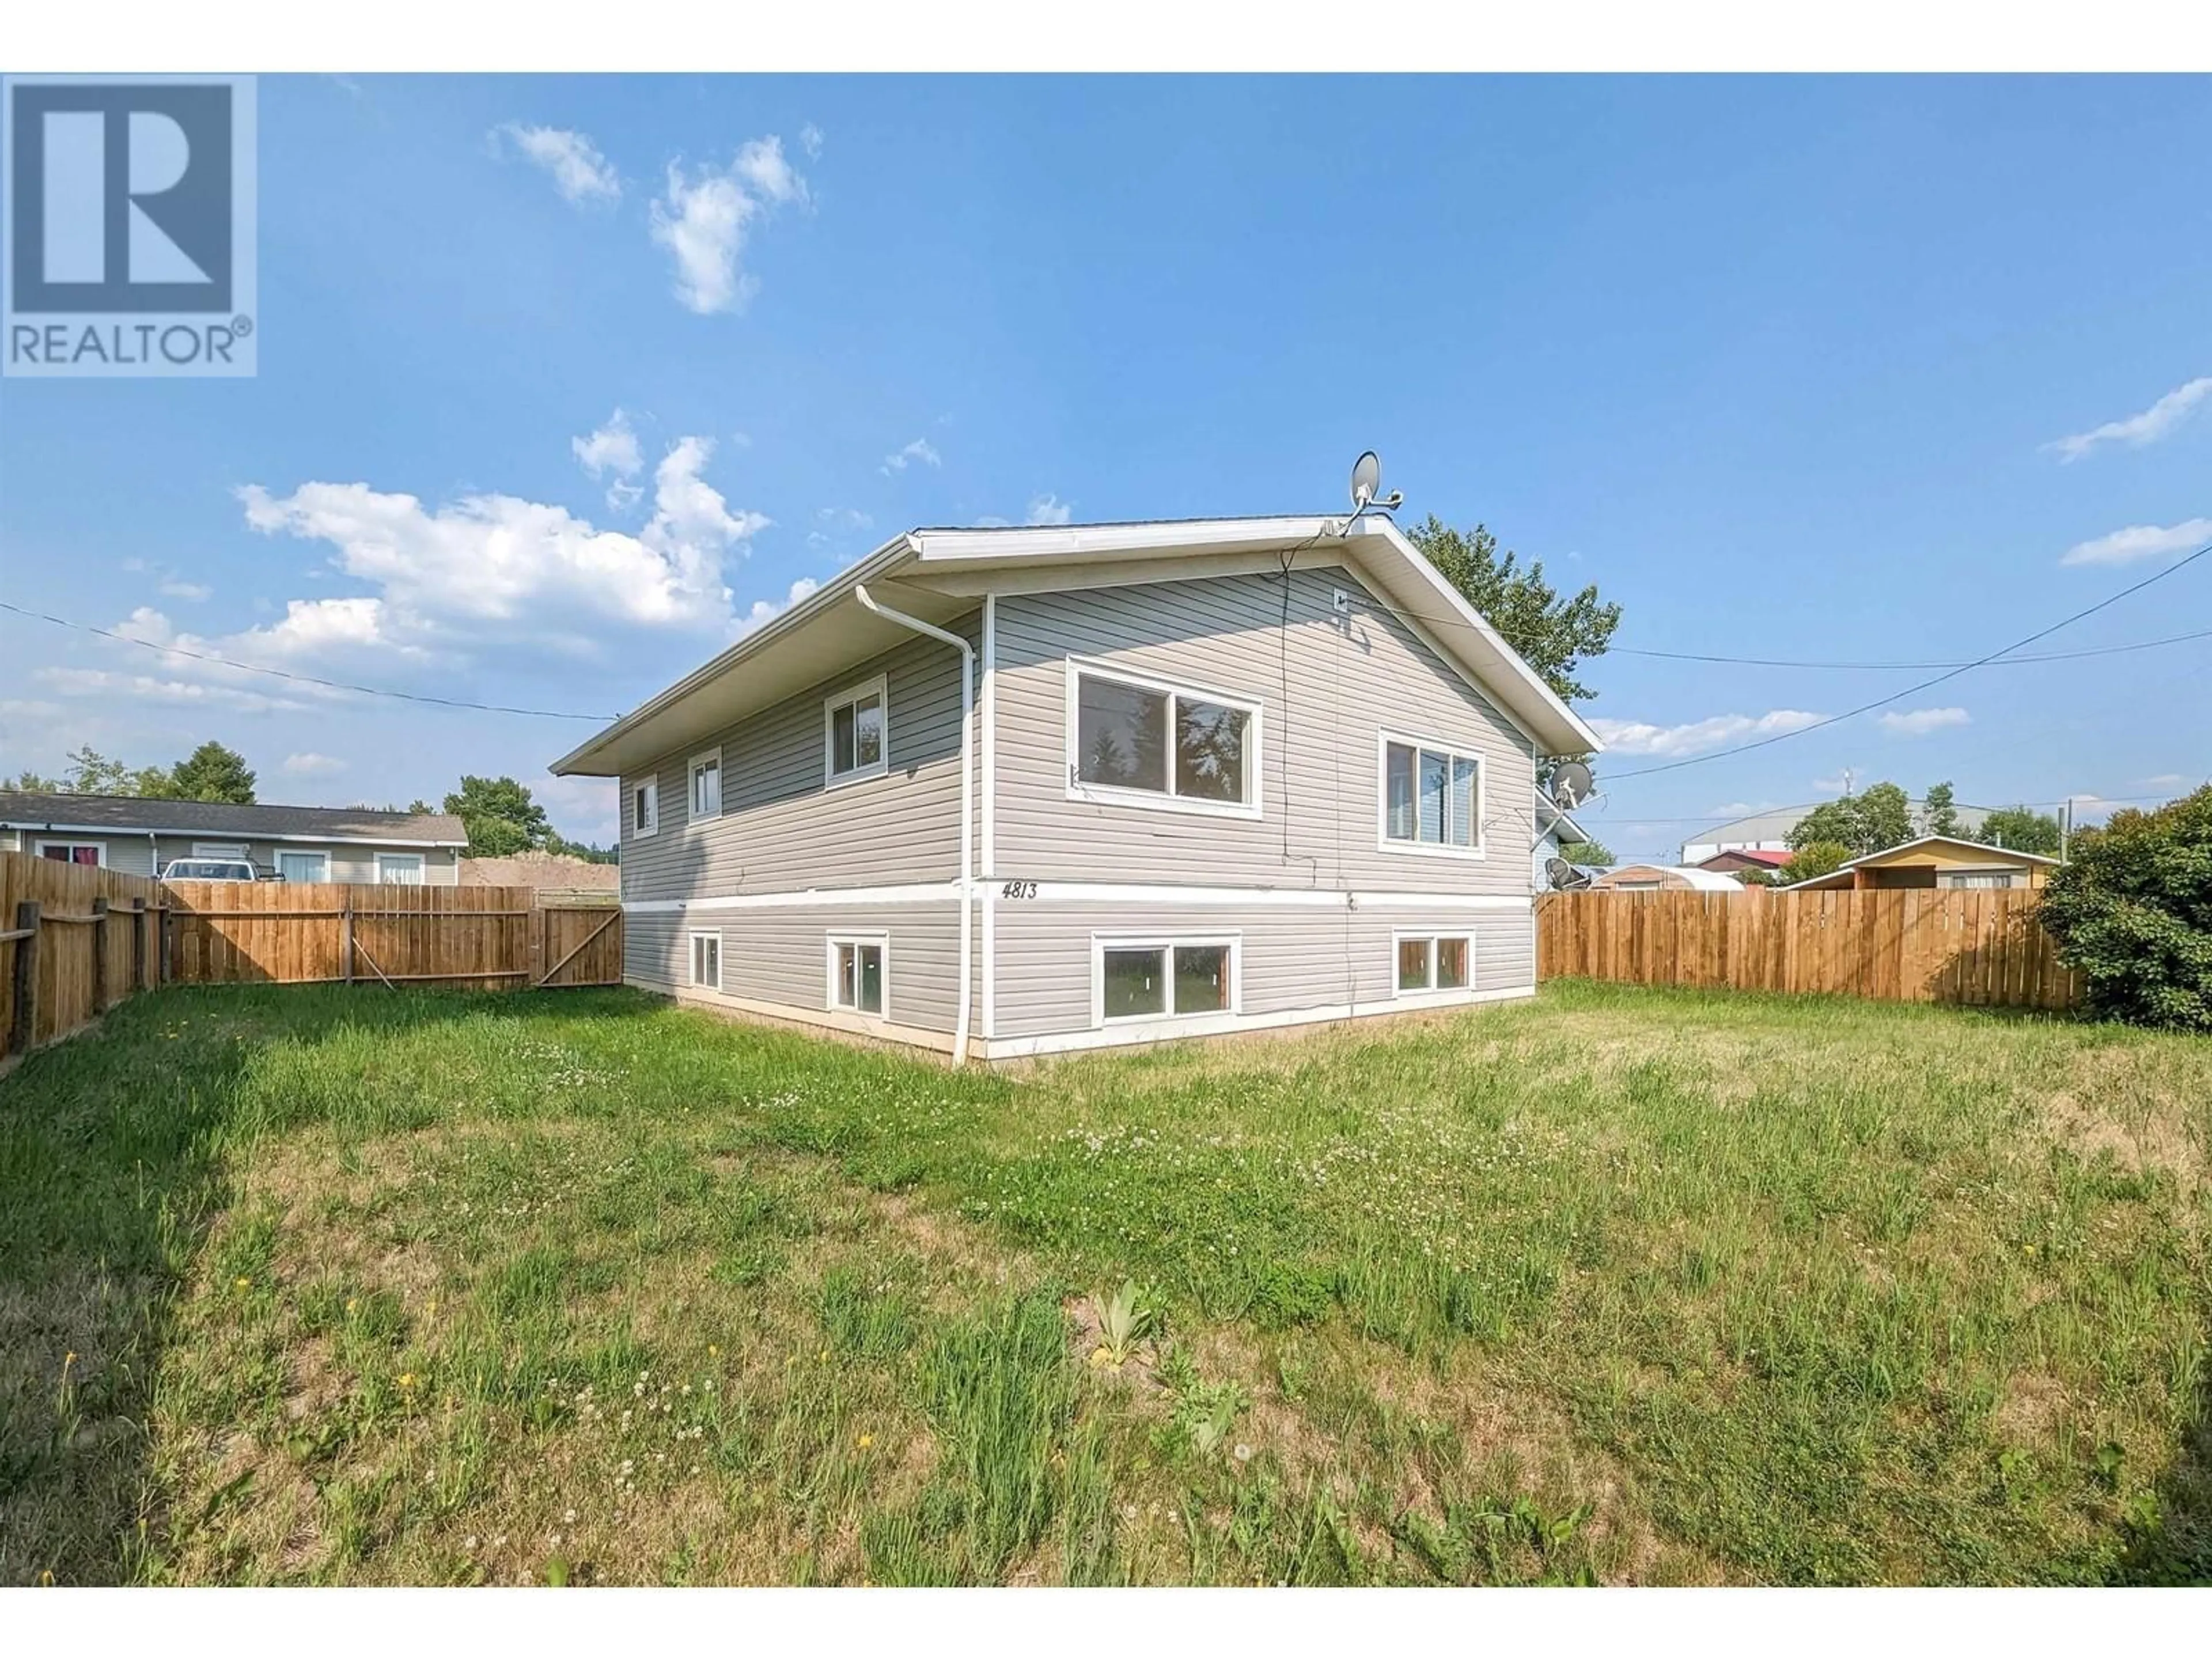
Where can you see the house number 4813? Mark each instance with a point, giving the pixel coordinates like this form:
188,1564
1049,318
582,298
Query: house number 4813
1018,890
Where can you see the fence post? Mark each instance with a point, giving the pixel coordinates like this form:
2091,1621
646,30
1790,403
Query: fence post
345,936
27,977
164,968
137,944
99,956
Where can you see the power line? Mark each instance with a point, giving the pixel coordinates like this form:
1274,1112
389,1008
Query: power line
307,679
1921,685
2000,661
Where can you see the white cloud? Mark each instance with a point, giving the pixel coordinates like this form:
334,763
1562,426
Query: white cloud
579,171
195,591
1049,509
2147,427
845,518
28,708
611,448
145,688
703,217
1734,809
920,450
765,610
2140,541
311,765
809,140
1639,737
1919,722
2164,781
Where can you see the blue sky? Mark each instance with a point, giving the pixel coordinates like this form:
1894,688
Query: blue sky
1786,365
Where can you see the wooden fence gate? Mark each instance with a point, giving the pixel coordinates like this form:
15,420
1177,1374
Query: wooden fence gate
76,938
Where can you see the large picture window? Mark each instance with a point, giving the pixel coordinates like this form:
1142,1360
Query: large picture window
855,734
1151,742
1164,979
859,972
1431,797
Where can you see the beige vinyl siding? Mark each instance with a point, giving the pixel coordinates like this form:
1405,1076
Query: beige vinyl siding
779,955
1292,957
1327,688
780,830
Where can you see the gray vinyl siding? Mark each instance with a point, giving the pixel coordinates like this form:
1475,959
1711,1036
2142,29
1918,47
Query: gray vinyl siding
1326,687
1292,959
780,830
132,853
779,955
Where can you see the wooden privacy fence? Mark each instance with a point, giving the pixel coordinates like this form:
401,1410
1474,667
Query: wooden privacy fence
76,939
1977,948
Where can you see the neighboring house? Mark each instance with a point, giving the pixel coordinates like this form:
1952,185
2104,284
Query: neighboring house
1769,832
140,836
1556,831
1737,859
1008,792
1936,861
552,874
1664,878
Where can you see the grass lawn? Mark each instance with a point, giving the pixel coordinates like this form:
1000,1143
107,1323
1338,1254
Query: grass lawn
314,1284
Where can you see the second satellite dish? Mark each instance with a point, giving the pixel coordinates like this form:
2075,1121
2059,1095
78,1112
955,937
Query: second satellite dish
1571,784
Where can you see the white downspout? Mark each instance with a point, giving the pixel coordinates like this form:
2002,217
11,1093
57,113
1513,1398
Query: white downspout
967,803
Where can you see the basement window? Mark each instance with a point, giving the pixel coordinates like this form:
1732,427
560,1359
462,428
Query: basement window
1163,979
859,972
1434,962
707,960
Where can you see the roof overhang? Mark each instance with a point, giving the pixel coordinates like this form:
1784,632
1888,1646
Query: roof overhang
939,574
205,834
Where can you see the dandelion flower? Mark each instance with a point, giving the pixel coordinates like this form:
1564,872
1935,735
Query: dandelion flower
406,1379
866,1440
243,1281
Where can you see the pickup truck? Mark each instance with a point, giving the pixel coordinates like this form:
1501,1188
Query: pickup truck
208,870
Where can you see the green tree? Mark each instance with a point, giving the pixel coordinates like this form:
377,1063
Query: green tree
213,772
91,772
501,817
30,783
1815,859
1939,813
1591,853
1551,634
1879,816
2132,913
2021,830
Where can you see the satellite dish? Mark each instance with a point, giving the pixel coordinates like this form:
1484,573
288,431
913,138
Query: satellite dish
1563,876
1366,479
1571,784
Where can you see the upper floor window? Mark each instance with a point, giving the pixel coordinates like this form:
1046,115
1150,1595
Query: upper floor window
1165,742
706,785
1432,798
855,734
645,807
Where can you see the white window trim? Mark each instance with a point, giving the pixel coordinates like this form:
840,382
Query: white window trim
692,815
691,945
1432,991
882,941
833,778
1384,840
284,853
237,852
651,785
422,868
1170,1024
39,849
1108,794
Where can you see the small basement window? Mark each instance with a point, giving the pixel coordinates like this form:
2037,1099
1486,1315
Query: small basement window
645,807
1435,961
1154,739
858,972
707,960
707,786
1432,798
1165,979
855,734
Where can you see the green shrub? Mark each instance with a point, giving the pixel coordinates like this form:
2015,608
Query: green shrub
1815,858
2132,913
